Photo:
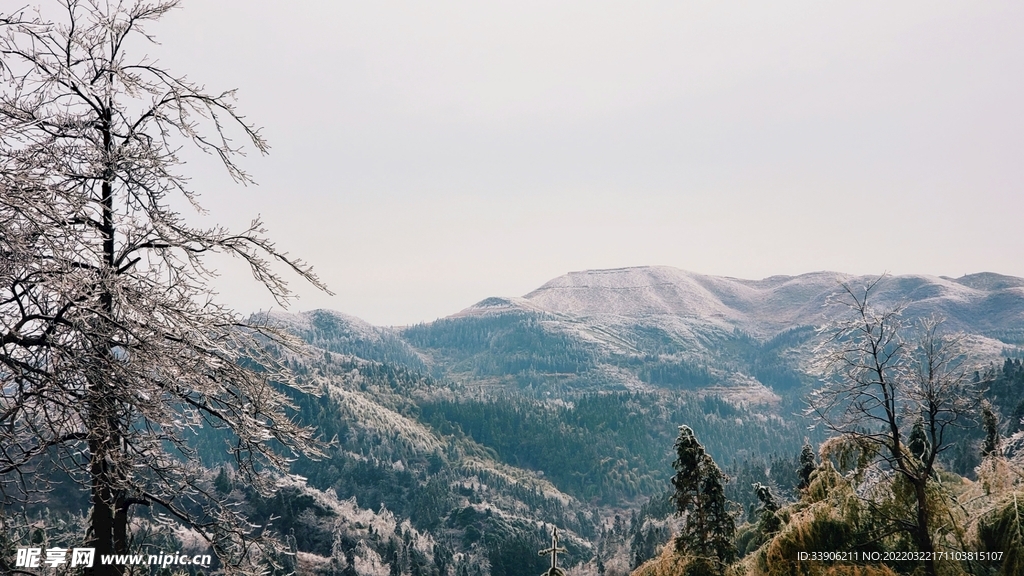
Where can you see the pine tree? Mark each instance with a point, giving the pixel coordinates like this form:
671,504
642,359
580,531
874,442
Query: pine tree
991,424
350,564
918,441
807,466
769,523
708,529
222,483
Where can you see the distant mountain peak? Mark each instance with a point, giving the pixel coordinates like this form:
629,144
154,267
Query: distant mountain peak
988,281
498,305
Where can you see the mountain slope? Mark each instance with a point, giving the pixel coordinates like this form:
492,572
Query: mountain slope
765,307
560,406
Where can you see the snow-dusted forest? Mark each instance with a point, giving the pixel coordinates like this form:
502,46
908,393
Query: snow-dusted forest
664,422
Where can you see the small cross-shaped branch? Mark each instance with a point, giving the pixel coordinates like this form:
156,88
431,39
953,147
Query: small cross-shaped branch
553,551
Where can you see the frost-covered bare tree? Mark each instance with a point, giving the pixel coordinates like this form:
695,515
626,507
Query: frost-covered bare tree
883,375
112,352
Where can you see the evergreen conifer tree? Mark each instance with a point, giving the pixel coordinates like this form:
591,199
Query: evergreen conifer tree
991,423
807,466
708,529
222,483
918,441
769,523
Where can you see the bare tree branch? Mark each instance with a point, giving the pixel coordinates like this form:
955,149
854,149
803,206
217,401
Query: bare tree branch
877,383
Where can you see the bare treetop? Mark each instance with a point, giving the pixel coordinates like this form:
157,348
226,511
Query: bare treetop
883,377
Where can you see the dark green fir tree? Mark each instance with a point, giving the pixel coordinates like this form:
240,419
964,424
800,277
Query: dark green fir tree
990,422
807,466
708,529
918,441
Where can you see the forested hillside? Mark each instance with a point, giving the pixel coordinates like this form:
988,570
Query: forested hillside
453,448
483,430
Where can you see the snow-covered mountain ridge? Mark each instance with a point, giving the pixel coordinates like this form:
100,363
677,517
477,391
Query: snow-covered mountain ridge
984,302
663,328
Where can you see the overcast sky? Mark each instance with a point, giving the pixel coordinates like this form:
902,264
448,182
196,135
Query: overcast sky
428,155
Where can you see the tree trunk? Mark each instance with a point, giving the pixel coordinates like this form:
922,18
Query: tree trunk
109,525
101,523
109,520
923,536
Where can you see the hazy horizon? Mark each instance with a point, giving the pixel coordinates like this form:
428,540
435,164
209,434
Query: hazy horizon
426,157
